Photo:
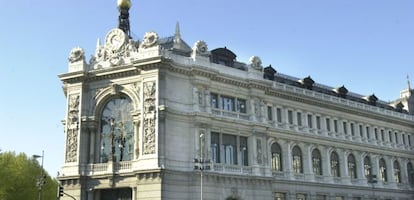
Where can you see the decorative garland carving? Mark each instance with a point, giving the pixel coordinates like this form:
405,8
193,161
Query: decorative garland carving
72,129
149,117
200,48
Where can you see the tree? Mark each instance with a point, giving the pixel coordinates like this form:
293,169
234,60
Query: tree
19,175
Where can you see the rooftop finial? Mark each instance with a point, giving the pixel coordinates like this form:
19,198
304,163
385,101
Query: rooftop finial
408,83
177,30
123,19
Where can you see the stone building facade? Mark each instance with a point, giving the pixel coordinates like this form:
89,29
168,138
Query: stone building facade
158,119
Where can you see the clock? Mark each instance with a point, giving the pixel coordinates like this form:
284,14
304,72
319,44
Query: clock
115,39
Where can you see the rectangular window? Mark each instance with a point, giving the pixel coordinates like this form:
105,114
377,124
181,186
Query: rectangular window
409,140
318,122
361,131
376,133
290,117
335,125
328,124
368,132
396,137
300,196
299,117
320,197
403,138
227,103
214,100
352,129
345,126
310,122
229,146
280,196
241,105
215,147
390,136
279,115
269,113
382,135
243,151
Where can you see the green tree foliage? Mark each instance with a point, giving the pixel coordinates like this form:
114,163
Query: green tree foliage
19,176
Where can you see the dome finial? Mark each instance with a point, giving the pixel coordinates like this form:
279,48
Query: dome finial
124,4
123,20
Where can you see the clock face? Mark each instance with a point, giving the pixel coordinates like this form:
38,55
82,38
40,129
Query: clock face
117,130
115,39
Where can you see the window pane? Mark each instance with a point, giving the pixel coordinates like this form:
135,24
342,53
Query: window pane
279,115
230,149
241,105
227,103
214,100
269,113
276,157
215,147
352,167
316,162
334,165
297,160
244,151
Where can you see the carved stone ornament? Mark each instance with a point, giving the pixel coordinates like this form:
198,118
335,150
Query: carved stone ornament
201,48
150,40
149,123
115,39
76,54
256,63
72,128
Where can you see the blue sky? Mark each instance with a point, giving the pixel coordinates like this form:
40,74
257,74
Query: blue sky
368,46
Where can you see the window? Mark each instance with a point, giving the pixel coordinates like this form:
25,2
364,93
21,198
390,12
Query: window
376,133
299,118
361,131
367,166
403,138
290,117
335,165
328,124
300,196
310,122
227,103
368,132
269,113
344,124
335,122
279,115
352,169
316,162
382,170
276,157
280,196
382,135
229,149
352,129
320,197
297,160
318,122
390,136
241,105
229,145
214,100
396,137
410,173
409,140
117,130
397,172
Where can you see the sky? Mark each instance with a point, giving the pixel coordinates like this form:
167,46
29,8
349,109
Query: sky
367,46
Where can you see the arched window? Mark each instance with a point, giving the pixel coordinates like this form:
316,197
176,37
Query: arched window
383,170
410,172
335,164
117,130
367,166
352,169
397,172
276,157
317,162
297,160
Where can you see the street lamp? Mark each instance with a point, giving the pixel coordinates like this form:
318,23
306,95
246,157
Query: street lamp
201,164
41,180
